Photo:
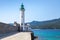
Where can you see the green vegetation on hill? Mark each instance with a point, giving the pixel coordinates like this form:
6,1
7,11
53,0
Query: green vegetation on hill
50,24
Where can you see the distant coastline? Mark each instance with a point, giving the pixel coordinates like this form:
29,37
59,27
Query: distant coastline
45,29
51,24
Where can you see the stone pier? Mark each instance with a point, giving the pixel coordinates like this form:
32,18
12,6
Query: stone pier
19,36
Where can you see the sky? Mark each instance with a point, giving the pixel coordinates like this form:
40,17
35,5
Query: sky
35,10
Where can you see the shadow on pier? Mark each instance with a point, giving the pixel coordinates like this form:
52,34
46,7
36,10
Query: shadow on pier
7,34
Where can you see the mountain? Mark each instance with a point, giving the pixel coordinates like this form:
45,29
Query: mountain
50,24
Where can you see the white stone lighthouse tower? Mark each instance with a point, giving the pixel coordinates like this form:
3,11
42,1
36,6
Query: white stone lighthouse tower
22,18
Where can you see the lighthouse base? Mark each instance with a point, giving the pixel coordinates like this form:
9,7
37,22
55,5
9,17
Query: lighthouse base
25,29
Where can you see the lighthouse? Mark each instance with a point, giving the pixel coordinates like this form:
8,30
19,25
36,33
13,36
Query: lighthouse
22,17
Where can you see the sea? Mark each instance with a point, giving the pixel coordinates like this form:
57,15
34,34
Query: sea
47,34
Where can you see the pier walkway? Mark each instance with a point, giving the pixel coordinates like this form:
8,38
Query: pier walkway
19,36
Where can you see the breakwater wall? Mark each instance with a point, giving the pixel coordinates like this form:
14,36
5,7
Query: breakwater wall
6,28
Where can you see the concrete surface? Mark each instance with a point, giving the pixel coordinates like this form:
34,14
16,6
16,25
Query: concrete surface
19,36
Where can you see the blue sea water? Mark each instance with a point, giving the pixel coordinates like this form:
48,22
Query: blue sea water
47,34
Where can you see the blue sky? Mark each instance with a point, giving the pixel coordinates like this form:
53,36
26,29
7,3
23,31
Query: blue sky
35,10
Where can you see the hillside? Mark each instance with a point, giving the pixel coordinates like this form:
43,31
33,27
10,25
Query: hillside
50,24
